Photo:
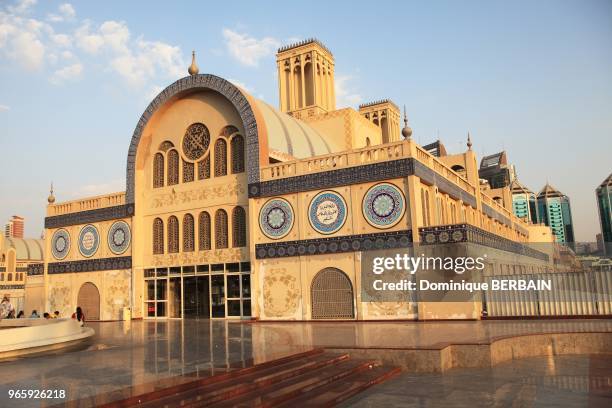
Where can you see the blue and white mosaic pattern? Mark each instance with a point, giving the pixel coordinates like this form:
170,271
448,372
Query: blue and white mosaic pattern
119,237
89,240
327,212
276,218
384,205
60,244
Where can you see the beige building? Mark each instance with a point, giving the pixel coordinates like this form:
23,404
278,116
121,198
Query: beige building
234,209
21,262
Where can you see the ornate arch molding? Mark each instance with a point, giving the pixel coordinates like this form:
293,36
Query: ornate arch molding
184,86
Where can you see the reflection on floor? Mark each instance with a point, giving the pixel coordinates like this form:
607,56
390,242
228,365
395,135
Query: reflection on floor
562,381
129,354
124,354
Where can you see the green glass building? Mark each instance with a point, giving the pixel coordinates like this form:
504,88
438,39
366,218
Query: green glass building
524,203
604,203
554,210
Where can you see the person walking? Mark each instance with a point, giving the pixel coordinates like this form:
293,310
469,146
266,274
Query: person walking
6,307
79,315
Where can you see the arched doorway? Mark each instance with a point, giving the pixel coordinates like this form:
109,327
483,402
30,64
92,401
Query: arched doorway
332,295
89,300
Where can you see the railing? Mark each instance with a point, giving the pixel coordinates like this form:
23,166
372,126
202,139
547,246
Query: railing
381,153
571,294
368,155
503,210
85,204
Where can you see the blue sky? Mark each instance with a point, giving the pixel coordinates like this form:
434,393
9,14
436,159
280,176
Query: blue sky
533,78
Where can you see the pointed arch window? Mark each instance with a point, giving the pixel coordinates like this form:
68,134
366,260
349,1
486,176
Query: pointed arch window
188,233
221,240
158,236
173,167
158,170
188,171
173,234
237,151
204,231
204,168
238,227
220,158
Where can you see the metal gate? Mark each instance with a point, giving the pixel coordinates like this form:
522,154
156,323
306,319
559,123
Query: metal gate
89,300
332,295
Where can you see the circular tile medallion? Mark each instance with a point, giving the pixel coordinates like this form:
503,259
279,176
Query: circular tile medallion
327,212
119,237
384,205
89,240
276,218
60,244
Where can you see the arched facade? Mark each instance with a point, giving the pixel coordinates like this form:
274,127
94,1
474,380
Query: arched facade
268,210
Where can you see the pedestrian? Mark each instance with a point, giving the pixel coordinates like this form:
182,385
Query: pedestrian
6,307
46,315
34,314
56,314
20,315
79,315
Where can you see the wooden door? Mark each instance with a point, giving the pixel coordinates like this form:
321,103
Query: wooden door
89,300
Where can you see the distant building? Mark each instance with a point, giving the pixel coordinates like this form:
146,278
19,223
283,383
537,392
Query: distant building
524,203
604,204
20,261
14,228
600,244
495,169
554,210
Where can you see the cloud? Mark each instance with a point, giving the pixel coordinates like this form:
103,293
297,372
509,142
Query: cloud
138,61
66,13
27,49
249,50
4,108
68,73
35,44
345,93
22,6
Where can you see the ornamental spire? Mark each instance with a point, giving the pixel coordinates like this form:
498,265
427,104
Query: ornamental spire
406,131
193,68
469,142
51,198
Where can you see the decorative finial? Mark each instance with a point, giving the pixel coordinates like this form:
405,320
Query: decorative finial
469,142
51,198
406,131
193,68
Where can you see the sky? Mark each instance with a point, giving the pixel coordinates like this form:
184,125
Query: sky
531,78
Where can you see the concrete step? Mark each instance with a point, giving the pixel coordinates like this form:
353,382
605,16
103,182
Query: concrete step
314,378
139,399
336,392
288,389
252,382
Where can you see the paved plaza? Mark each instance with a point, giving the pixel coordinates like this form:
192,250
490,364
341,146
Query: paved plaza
145,354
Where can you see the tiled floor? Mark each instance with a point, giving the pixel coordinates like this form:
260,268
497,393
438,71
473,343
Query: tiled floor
128,354
562,381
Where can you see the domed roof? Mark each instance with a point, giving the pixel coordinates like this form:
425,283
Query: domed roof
292,136
26,249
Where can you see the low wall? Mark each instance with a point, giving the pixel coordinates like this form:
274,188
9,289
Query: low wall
487,354
26,336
